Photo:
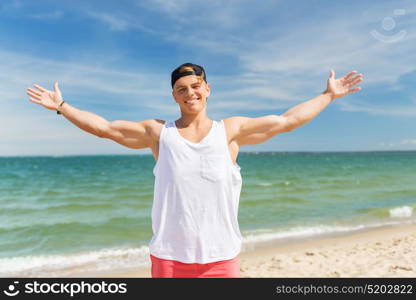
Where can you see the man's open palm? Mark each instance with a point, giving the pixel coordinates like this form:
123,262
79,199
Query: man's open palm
344,85
48,99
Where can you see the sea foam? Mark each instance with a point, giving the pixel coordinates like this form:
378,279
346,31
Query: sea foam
401,212
73,264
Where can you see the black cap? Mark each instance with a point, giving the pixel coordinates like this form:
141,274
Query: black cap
197,70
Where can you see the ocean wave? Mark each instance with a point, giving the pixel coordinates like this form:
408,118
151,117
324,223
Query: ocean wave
71,223
265,183
401,212
21,208
253,238
388,213
296,232
75,264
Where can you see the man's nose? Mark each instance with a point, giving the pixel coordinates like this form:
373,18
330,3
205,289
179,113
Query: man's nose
190,92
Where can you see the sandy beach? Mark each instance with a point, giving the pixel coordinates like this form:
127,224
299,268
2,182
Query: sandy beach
382,252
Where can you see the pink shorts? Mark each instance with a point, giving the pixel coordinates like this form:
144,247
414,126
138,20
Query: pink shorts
165,268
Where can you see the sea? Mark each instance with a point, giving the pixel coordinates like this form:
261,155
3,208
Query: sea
91,214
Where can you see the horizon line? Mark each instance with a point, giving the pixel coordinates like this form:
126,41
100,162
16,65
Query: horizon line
241,152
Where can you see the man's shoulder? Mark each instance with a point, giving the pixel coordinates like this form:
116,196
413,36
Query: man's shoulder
235,121
232,126
154,127
155,122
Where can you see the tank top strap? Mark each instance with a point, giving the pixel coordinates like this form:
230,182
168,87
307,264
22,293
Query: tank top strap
222,137
166,130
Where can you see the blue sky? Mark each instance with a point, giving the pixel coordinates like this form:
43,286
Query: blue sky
114,58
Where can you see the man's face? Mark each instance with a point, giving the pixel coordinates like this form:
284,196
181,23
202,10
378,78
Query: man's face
191,93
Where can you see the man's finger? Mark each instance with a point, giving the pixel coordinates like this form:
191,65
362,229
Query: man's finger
34,91
349,75
56,87
355,77
355,90
33,95
39,88
35,101
356,80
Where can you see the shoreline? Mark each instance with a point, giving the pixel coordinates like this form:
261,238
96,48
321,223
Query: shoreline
249,152
379,252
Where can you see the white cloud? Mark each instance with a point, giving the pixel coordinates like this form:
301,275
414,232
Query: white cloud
121,21
20,70
404,144
308,52
408,142
171,8
115,23
382,110
227,14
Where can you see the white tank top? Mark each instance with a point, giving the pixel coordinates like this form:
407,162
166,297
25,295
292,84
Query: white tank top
196,197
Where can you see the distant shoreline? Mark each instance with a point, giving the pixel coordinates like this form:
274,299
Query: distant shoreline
241,152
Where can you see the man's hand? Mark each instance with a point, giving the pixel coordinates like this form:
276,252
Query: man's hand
345,85
48,99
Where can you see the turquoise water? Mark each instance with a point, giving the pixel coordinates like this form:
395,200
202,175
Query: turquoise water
92,213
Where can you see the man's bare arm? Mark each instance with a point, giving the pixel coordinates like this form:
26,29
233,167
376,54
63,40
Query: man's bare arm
303,113
336,88
250,131
135,135
130,134
85,120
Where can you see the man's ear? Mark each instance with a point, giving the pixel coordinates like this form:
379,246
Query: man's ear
173,96
208,89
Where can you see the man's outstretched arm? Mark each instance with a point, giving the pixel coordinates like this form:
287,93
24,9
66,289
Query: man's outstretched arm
336,88
130,134
251,131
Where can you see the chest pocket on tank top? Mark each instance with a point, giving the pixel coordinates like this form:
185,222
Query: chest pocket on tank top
213,167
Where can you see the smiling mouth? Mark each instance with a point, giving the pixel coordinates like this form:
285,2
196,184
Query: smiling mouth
192,101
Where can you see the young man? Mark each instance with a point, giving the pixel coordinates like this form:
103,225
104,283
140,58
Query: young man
197,180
